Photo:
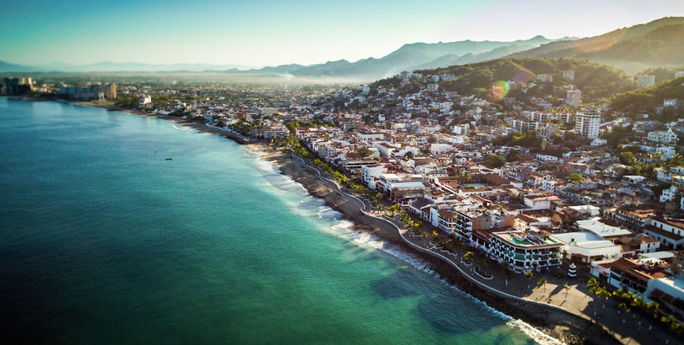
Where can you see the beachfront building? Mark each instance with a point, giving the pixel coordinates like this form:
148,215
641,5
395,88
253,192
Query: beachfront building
88,92
587,247
600,229
398,188
371,173
525,250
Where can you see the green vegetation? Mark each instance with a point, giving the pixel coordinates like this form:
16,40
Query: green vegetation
541,282
575,177
658,43
494,161
628,300
646,100
525,139
409,222
662,74
596,81
127,101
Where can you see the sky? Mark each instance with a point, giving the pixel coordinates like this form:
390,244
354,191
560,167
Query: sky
265,32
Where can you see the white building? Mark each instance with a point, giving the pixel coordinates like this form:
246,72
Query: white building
588,247
645,80
669,232
440,148
667,151
569,75
595,226
587,123
371,173
573,98
668,194
663,137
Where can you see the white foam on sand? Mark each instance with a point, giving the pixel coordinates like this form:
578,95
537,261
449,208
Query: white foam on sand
310,206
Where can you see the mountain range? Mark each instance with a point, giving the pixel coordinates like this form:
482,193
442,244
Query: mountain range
408,57
659,43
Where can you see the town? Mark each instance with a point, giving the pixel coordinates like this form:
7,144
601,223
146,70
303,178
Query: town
531,184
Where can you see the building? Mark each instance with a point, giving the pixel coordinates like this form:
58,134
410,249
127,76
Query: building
649,277
645,80
598,228
17,86
543,78
110,91
569,75
573,98
668,231
587,247
587,123
525,250
88,92
663,137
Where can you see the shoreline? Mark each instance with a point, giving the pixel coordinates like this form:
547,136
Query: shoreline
560,325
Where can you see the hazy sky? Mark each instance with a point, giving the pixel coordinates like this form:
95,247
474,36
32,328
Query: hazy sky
260,32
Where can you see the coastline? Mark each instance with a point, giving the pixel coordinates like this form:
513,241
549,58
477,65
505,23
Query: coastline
559,325
563,326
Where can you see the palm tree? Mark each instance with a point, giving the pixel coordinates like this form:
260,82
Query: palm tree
542,282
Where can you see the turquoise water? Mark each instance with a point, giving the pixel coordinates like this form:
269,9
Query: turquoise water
105,241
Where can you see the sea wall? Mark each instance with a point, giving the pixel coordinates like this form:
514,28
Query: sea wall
560,324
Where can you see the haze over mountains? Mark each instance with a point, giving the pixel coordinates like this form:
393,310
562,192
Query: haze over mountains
659,43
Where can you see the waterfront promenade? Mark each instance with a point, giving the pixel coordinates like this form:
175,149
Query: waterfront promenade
575,299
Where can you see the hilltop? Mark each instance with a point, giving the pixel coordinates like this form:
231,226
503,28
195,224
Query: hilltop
649,99
655,44
596,81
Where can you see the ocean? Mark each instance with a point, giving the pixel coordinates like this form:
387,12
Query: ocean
123,229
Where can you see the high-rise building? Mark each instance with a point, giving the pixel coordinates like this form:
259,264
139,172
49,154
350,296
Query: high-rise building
110,91
573,98
17,86
587,122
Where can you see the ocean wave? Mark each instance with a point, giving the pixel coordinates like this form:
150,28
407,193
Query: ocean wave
337,225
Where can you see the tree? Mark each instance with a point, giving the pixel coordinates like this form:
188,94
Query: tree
364,152
494,161
529,274
627,157
469,256
541,282
394,209
575,177
513,156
